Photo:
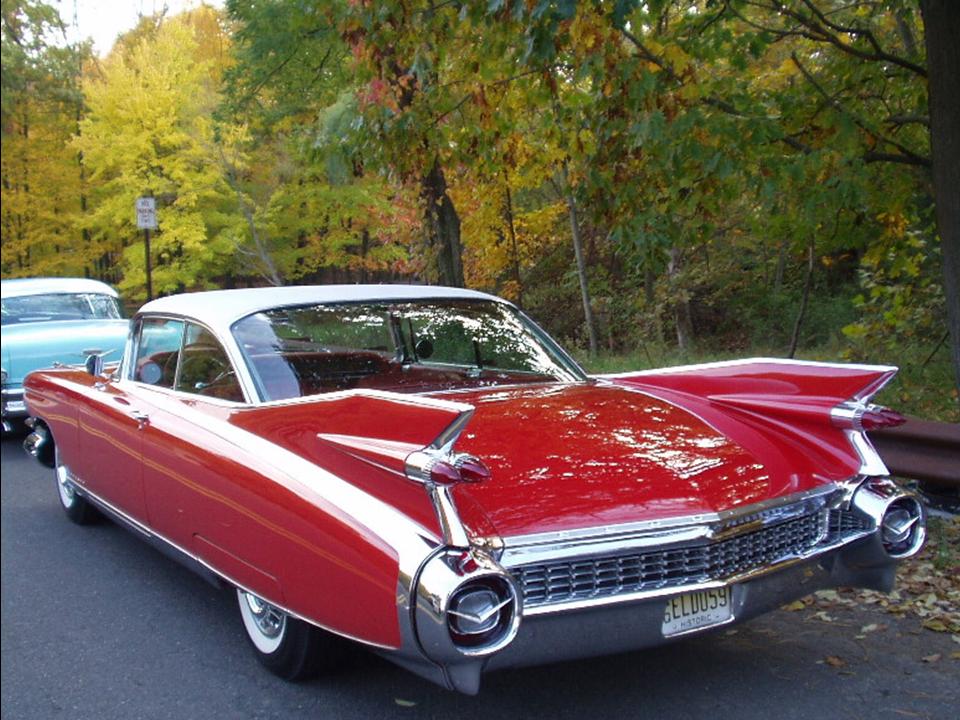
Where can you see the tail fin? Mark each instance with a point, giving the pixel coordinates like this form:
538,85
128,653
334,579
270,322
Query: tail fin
821,407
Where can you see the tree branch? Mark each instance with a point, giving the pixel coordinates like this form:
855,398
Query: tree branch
905,152
818,28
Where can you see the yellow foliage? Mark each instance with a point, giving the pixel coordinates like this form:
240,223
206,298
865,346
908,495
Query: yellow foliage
149,130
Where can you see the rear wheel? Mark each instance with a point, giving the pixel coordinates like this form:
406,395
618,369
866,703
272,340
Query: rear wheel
288,647
77,507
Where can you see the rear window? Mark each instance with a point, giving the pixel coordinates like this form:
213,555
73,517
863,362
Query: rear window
417,346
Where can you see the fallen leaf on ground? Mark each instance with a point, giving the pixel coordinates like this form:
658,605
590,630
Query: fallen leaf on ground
404,703
834,661
931,658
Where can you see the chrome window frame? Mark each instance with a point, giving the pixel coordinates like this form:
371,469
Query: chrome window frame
240,370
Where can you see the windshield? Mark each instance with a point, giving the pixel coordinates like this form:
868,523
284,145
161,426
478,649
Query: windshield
59,306
405,347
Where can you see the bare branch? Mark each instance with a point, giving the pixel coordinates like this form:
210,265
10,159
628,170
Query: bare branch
900,120
918,161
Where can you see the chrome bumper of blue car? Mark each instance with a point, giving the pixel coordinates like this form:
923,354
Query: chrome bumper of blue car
12,407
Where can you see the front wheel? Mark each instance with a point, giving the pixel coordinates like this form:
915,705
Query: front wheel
77,507
288,647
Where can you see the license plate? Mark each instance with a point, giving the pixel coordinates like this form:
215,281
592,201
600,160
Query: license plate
696,610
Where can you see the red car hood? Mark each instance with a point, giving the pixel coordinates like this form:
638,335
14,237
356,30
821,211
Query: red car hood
597,454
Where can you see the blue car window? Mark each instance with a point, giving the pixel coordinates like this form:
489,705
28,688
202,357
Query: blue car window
59,306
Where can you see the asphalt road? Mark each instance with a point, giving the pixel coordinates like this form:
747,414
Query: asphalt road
96,624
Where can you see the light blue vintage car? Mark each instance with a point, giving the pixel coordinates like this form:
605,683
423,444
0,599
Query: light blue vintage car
50,321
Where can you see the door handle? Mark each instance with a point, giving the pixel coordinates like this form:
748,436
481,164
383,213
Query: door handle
141,417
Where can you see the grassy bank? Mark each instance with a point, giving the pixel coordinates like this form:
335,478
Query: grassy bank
924,387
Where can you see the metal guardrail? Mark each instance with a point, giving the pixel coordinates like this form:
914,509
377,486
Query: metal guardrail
922,450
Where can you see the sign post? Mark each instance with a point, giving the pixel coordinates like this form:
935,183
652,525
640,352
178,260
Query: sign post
147,220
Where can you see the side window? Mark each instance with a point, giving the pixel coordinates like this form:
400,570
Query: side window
158,351
450,339
205,368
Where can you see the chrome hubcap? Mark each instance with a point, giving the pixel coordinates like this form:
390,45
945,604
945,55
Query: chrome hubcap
268,619
67,489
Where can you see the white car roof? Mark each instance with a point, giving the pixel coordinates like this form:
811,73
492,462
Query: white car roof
219,309
45,286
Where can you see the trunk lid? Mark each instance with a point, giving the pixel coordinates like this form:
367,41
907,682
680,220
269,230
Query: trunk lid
594,454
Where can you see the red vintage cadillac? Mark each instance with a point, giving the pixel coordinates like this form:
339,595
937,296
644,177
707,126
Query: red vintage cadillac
424,471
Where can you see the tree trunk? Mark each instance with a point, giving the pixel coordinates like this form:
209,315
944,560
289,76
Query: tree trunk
581,264
443,227
781,265
807,284
649,285
941,23
681,308
512,230
262,259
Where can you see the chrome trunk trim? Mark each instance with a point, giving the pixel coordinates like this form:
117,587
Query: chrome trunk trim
520,548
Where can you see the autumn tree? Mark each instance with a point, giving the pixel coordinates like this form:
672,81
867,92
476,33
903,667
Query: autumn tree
150,129
42,185
322,212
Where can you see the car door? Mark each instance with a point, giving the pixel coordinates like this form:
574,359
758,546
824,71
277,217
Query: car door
112,421
179,453
108,448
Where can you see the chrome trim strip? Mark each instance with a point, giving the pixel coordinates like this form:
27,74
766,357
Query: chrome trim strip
545,541
125,384
413,399
870,461
417,467
749,361
454,532
444,442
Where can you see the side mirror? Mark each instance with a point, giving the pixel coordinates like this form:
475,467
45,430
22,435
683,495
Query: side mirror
94,365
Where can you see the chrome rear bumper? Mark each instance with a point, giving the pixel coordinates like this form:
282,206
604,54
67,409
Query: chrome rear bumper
849,536
608,630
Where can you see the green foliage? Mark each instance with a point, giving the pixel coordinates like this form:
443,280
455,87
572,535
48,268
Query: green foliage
708,148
